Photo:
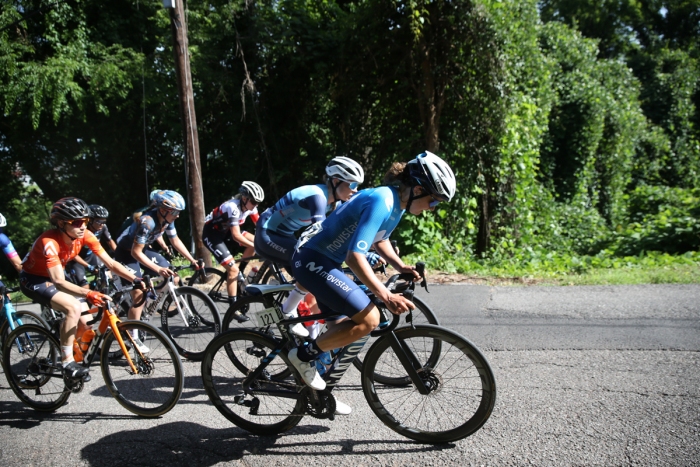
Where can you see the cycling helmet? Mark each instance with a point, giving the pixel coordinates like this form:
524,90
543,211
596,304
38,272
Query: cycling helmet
169,199
97,211
345,169
3,221
68,209
433,174
252,190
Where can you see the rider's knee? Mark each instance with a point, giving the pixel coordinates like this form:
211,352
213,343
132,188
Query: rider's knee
372,318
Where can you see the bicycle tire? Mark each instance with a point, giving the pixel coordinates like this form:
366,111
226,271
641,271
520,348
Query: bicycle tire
160,381
35,372
423,314
214,285
26,317
223,380
463,387
204,322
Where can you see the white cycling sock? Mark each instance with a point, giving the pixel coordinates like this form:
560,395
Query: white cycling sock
289,307
67,351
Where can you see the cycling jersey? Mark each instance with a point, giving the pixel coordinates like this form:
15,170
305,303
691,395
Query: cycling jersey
370,216
299,208
50,250
145,231
229,214
86,254
7,247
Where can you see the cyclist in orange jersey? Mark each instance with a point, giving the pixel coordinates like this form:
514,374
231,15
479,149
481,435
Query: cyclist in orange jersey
43,280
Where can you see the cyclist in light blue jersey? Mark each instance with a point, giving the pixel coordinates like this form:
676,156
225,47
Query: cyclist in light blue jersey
275,231
346,235
7,247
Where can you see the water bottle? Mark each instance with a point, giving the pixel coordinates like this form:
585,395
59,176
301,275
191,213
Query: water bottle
85,339
251,275
323,362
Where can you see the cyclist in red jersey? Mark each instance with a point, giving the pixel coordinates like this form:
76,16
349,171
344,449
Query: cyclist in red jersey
43,280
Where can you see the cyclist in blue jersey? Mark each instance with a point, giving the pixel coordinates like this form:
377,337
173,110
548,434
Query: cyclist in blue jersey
275,231
148,228
223,225
346,235
86,260
7,246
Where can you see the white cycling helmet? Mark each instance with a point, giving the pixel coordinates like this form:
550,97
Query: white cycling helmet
252,190
433,174
345,169
3,221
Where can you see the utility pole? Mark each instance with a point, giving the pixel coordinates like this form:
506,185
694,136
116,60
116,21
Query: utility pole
193,171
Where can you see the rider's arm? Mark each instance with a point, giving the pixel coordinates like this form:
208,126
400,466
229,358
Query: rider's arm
9,250
162,243
112,244
116,267
387,252
359,265
57,276
239,237
82,262
180,247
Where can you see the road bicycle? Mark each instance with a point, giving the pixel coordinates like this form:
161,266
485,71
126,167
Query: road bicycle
425,382
147,381
213,280
188,316
10,318
254,302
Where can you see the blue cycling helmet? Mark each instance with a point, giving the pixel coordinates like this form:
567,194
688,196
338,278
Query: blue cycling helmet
169,199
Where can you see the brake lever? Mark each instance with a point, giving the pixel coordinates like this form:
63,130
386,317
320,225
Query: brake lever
420,269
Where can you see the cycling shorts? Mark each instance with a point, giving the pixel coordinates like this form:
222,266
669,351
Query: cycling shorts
273,246
133,266
216,242
323,277
38,288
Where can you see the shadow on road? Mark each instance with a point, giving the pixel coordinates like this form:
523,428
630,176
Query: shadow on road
185,443
15,414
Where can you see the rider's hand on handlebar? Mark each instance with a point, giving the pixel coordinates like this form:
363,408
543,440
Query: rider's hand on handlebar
410,270
138,284
97,299
398,304
166,272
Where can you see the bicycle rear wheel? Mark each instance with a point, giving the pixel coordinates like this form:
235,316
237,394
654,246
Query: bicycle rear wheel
212,283
462,387
32,363
226,364
201,322
157,386
421,315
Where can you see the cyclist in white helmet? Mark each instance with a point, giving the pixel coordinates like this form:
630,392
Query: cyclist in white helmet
276,230
223,225
367,220
150,226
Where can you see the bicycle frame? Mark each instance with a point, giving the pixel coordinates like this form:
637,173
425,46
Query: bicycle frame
341,361
109,319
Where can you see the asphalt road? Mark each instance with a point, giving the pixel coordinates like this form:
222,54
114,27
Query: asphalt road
586,376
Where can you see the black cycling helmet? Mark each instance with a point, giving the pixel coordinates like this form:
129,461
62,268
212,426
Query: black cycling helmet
68,209
97,211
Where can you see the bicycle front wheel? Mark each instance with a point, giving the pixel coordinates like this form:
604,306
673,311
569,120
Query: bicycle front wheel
461,386
32,363
227,362
193,326
421,315
20,318
157,385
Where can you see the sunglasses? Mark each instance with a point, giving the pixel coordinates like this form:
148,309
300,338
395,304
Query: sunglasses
99,222
354,185
77,223
252,202
173,213
434,202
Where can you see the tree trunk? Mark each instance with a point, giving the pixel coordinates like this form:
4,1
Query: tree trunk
193,172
